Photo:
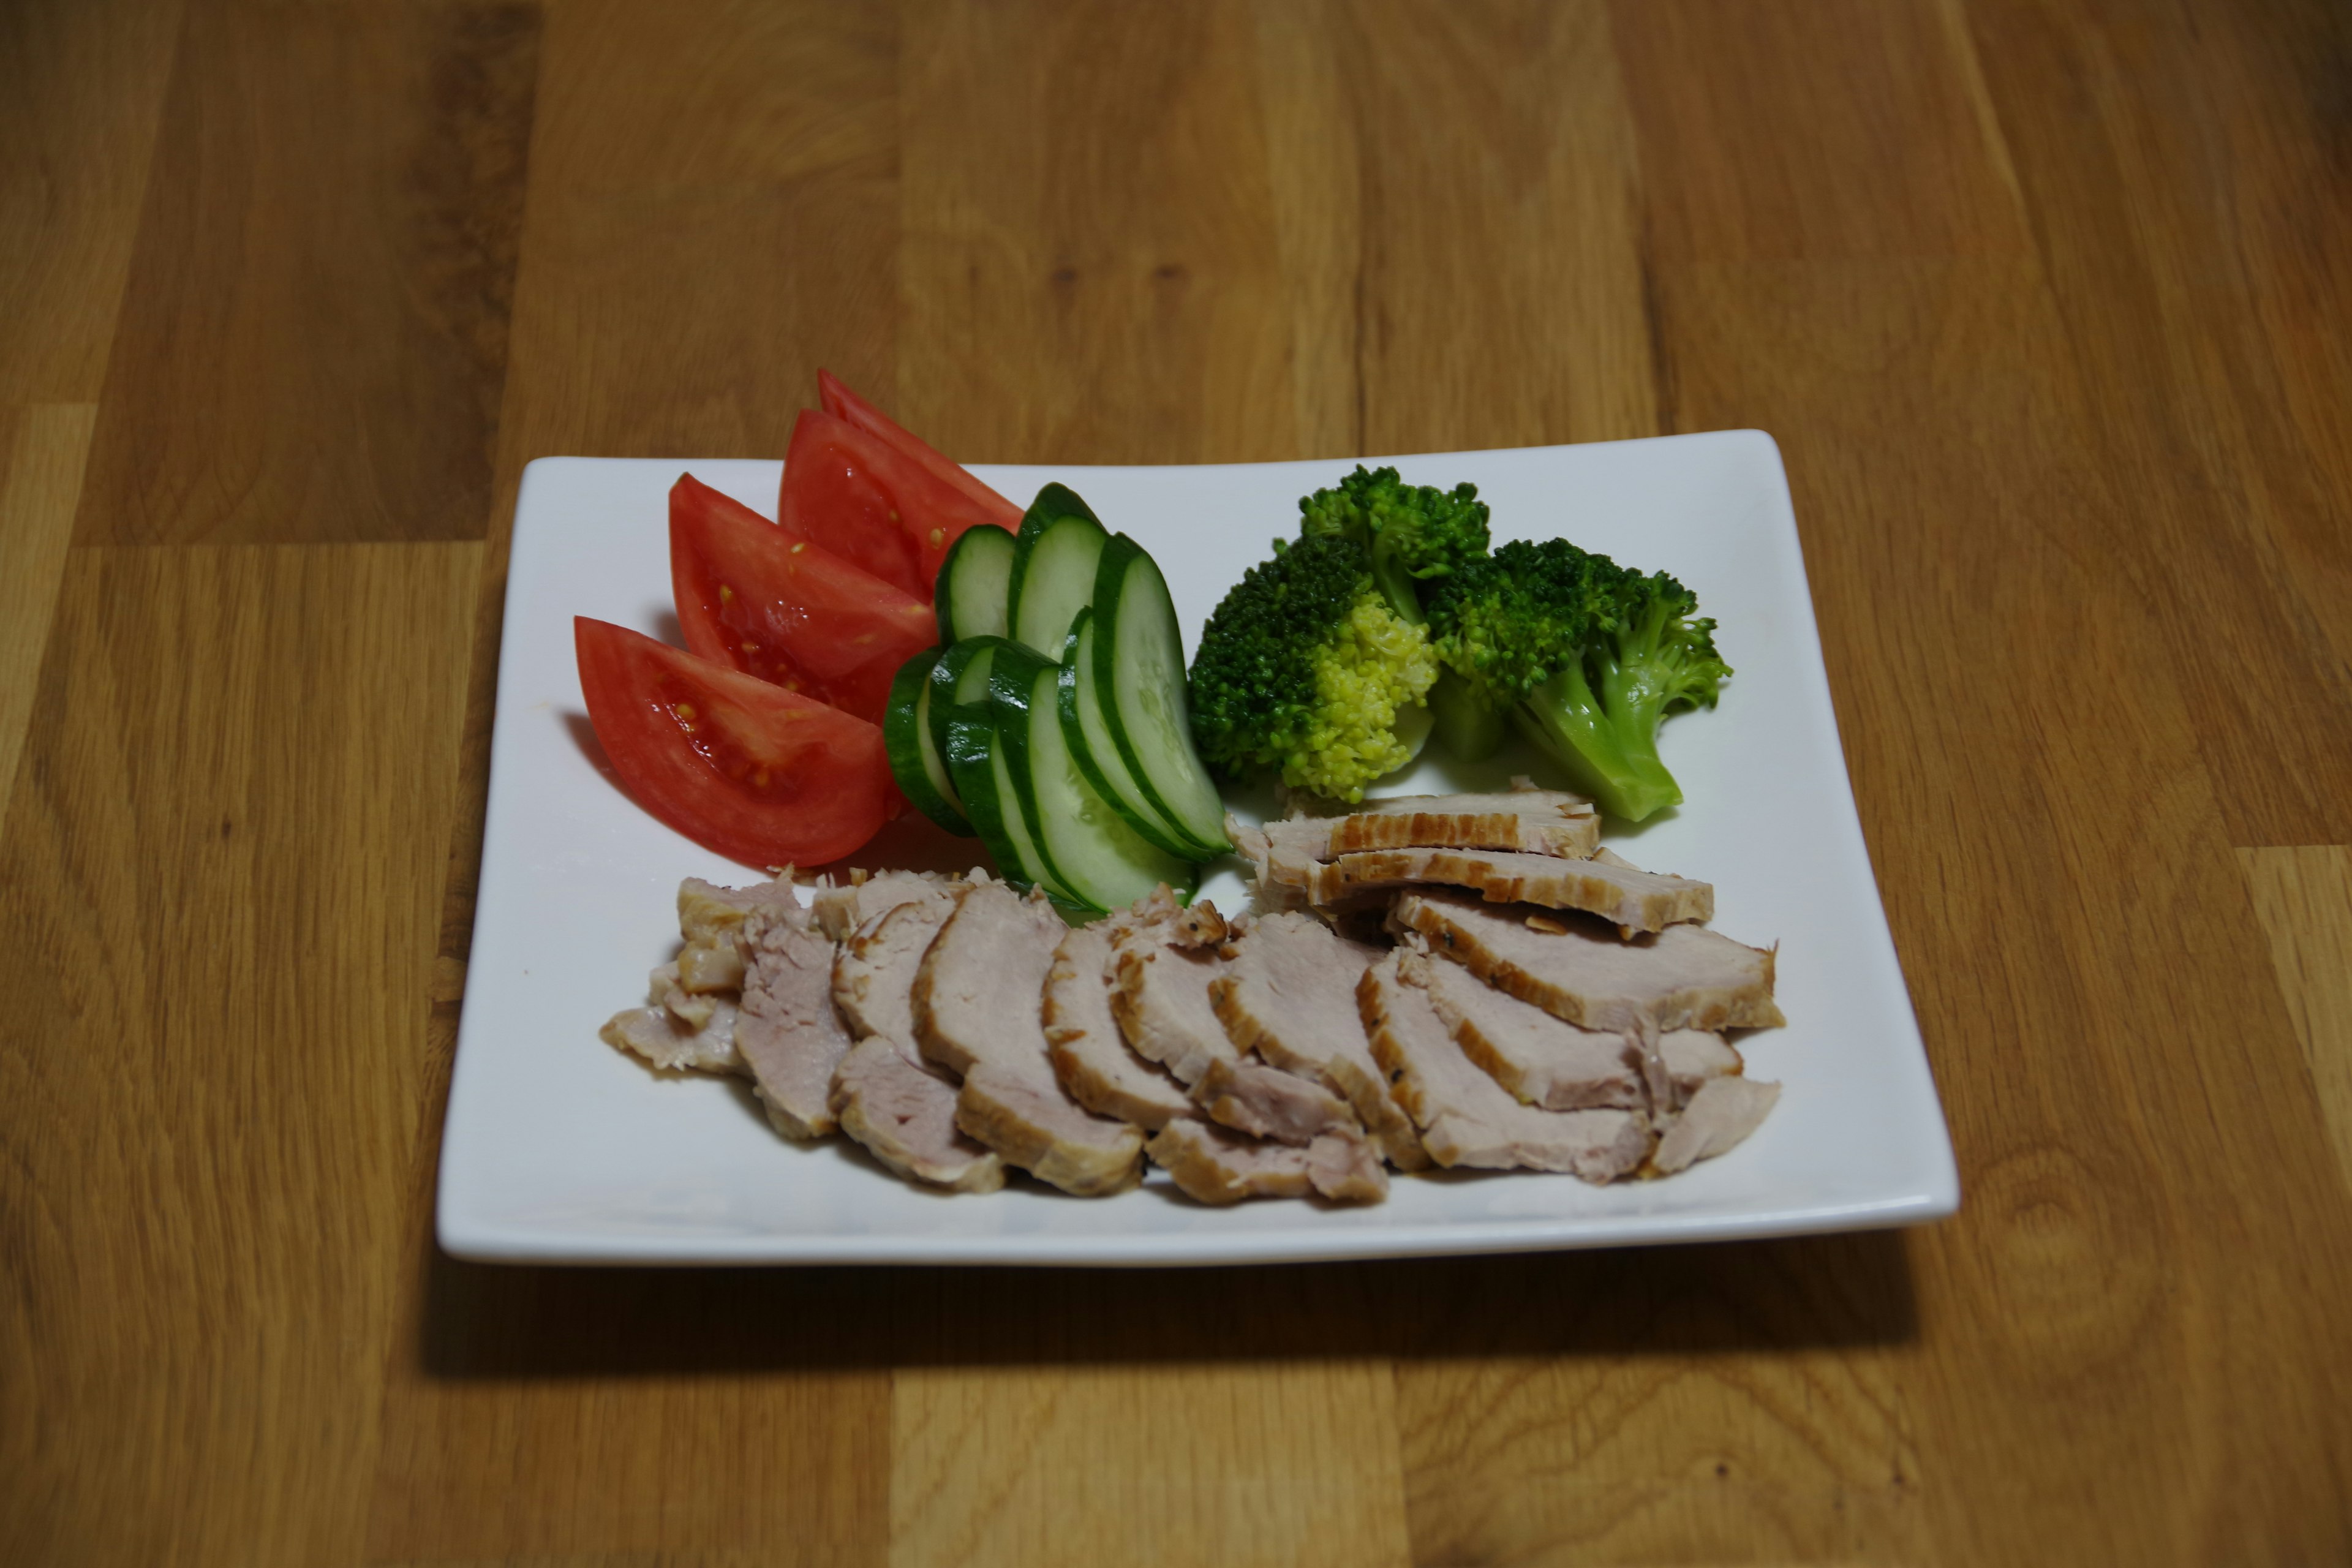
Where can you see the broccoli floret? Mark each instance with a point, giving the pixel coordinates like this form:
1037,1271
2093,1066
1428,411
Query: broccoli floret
1305,668
1410,534
1585,656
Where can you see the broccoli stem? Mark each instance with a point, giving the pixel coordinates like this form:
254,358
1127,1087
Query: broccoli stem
1609,750
1468,729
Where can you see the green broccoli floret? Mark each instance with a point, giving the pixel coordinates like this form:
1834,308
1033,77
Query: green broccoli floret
1410,534
1305,668
1587,657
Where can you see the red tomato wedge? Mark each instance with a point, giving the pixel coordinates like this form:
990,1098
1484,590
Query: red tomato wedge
759,774
844,404
856,495
763,599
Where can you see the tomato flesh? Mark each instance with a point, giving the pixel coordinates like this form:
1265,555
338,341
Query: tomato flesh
759,774
856,495
839,401
764,599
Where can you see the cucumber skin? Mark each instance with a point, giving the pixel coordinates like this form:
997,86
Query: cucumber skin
1155,831
972,747
1014,686
1119,555
1010,679
1055,503
943,594
903,736
947,676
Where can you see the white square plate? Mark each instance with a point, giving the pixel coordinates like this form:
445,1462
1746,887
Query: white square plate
559,1149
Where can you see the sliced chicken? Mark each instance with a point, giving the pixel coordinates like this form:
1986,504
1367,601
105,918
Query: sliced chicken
1718,1118
1542,1060
1466,1117
841,910
680,1032
978,1011
1684,977
1212,1166
1536,821
1288,993
791,1035
1267,1102
1694,1055
904,1115
1160,994
1628,897
1082,1039
884,1094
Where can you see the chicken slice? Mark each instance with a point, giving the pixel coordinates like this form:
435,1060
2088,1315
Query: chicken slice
1082,1039
1542,1060
1684,977
978,1011
1466,1117
791,1035
1718,1118
1288,993
1212,1166
885,1095
1628,897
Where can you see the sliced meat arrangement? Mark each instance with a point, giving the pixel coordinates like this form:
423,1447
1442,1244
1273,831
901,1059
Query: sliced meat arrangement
1213,1165
1466,1117
1288,993
792,1036
888,1097
1527,1000
1083,1038
1684,977
1628,897
979,1012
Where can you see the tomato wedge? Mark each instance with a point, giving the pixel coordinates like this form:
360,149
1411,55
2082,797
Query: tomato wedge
759,774
842,403
761,598
856,495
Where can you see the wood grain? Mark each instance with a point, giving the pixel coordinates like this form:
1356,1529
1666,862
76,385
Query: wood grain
2303,899
81,89
1271,1463
2045,301
313,339
42,450
2235,531
217,875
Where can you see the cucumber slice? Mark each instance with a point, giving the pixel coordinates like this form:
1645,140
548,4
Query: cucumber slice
915,761
983,777
1138,658
1088,736
958,679
1054,569
974,584
1089,848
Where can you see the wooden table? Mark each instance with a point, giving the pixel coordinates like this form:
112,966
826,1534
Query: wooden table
2050,305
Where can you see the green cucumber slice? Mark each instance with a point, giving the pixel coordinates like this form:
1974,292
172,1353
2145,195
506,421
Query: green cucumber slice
1091,742
1139,657
915,761
975,585
1089,847
983,777
960,679
1054,569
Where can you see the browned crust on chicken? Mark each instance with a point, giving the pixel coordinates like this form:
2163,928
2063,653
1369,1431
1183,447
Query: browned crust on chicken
1684,977
904,1115
1624,896
979,1010
1212,1166
1089,1055
1288,995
